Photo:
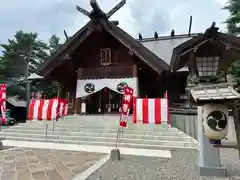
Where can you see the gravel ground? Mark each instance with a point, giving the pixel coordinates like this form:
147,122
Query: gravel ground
179,167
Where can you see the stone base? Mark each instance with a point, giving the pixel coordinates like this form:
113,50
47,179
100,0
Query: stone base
115,155
211,171
1,145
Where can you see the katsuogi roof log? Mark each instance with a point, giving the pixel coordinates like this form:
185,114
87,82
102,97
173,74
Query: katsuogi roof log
99,18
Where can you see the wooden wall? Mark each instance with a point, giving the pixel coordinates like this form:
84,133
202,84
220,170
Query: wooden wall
88,53
87,61
88,57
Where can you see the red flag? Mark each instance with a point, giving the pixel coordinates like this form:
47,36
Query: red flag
126,105
3,97
33,95
105,92
166,95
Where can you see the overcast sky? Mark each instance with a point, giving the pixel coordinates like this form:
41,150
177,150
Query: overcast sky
47,17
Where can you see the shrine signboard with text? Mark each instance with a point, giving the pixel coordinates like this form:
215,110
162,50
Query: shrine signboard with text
126,105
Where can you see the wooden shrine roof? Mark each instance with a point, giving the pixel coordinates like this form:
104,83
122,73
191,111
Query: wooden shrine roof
16,102
128,41
214,92
178,60
163,46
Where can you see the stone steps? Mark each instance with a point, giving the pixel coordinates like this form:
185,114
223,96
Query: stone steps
93,130
96,122
101,137
71,126
99,131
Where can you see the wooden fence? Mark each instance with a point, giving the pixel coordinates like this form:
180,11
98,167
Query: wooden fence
184,119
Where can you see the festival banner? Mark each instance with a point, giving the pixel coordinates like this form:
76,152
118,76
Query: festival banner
3,98
47,109
126,105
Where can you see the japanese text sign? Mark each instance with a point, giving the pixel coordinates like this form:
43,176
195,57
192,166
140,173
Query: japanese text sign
126,105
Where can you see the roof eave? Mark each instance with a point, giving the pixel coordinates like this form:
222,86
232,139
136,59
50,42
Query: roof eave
45,67
164,65
159,67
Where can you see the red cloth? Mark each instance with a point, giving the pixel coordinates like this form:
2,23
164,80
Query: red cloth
126,105
105,92
3,97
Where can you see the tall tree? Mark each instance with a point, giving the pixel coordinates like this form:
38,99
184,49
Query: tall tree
24,49
54,43
2,66
22,55
233,6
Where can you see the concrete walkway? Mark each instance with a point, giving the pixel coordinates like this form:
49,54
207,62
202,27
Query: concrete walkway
88,148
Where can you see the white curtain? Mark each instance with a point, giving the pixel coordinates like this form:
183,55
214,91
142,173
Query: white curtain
86,87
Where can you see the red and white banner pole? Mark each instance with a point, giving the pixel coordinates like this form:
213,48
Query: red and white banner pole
168,109
39,95
126,105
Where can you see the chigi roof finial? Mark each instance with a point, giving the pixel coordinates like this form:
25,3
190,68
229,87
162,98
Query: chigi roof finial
213,24
97,11
173,33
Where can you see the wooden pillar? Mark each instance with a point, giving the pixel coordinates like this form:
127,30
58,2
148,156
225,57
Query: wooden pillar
237,125
77,108
192,63
225,60
73,98
134,74
134,70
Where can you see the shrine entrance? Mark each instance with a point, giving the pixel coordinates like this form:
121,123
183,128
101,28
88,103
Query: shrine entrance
104,101
103,95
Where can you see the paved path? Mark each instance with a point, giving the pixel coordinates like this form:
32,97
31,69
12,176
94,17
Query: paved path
44,164
64,162
28,163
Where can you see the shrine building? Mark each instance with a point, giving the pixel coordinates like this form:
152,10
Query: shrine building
100,59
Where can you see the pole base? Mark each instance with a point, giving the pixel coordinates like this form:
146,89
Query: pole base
215,142
1,145
211,171
115,155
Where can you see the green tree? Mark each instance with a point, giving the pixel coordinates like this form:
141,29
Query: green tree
2,66
24,49
233,6
233,26
54,43
22,55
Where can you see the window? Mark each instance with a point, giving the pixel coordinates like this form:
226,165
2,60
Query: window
207,66
106,56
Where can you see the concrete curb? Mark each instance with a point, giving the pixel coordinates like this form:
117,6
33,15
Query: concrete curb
88,148
84,175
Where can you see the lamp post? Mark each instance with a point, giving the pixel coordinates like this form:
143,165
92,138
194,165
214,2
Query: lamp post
26,74
25,58
28,79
